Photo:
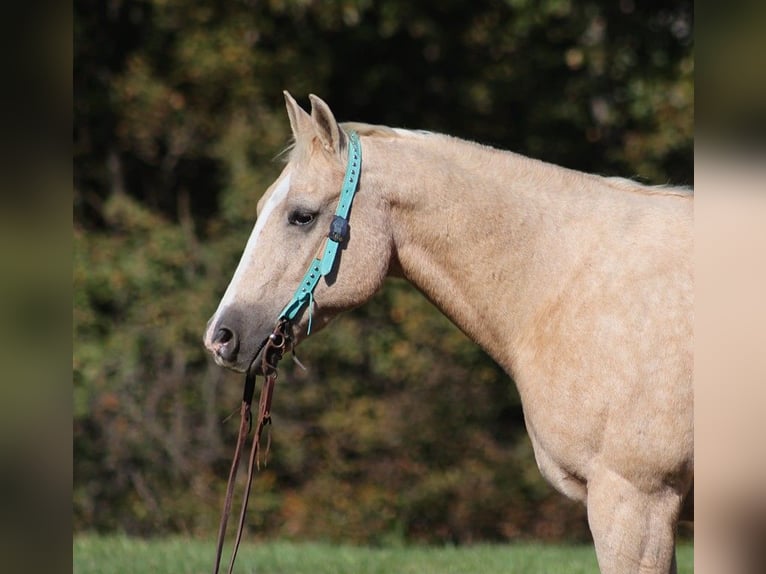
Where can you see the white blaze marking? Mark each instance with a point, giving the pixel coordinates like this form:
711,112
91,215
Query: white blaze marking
277,196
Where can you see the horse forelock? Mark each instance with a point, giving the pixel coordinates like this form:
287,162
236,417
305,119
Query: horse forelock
298,149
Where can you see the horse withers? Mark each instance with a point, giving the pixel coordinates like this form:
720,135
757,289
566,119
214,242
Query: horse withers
579,286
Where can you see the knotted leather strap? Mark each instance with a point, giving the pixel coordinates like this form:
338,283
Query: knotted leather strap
272,353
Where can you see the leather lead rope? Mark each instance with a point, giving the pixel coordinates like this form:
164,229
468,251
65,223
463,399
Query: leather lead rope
274,347
273,350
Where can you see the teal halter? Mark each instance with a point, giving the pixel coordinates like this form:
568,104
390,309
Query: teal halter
338,234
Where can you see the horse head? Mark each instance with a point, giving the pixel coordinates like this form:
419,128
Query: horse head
291,230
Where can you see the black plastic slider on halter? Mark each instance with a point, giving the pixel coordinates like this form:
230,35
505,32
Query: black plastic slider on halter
338,229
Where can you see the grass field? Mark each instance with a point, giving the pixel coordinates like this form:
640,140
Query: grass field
122,555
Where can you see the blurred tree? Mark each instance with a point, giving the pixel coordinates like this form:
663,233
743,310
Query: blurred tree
401,428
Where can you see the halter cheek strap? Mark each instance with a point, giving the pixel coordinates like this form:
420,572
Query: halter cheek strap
339,231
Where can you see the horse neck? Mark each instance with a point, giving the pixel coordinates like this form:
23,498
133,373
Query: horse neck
469,226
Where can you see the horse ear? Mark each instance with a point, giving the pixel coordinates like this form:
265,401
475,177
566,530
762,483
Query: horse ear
300,121
327,129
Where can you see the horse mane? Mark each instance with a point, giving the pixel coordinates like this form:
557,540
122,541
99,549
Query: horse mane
377,130
370,129
363,129
624,184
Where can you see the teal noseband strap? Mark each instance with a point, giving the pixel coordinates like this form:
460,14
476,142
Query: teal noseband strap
338,234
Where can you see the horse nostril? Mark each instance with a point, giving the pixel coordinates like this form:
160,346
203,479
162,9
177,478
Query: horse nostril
226,343
223,335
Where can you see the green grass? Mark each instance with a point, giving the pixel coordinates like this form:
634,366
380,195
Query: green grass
122,555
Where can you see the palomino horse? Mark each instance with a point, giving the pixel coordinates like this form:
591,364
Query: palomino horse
579,286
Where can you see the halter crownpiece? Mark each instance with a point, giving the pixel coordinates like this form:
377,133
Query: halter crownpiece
339,232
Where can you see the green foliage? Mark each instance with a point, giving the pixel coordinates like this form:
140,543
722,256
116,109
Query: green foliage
120,555
401,429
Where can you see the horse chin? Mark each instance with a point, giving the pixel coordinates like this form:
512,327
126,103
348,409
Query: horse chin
237,367
244,364
267,356
255,365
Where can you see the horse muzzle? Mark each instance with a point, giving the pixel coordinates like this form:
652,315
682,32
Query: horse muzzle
227,342
242,351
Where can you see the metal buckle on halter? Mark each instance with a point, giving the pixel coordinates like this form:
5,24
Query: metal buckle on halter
338,229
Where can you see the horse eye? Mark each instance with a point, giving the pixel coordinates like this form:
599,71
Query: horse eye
299,217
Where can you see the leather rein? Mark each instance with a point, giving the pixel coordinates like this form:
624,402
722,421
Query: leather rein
276,345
